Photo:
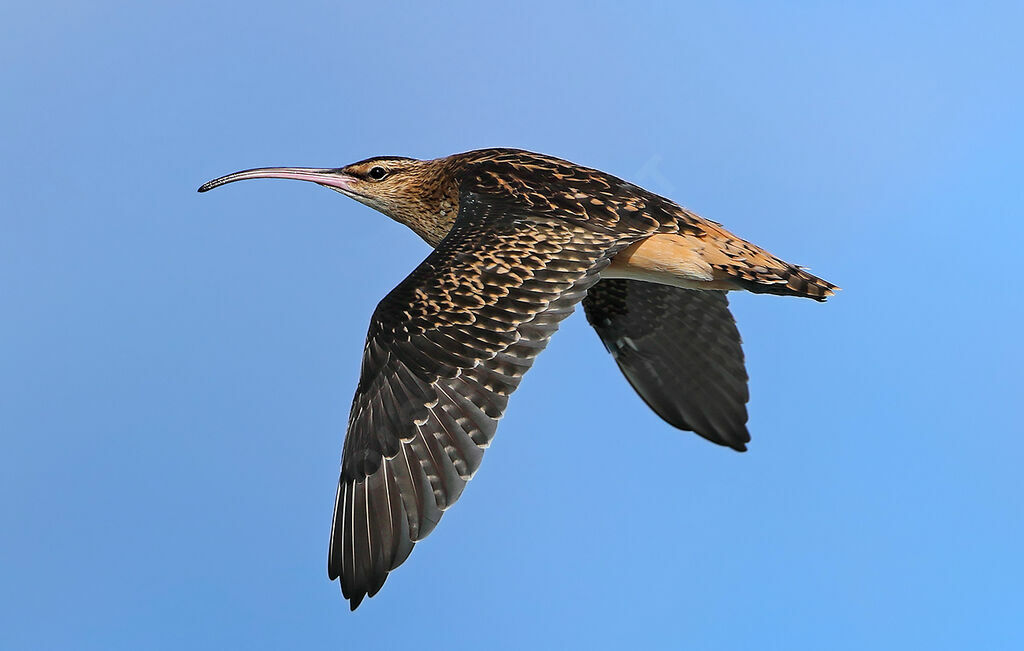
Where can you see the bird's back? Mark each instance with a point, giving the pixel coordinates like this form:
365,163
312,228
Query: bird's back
673,245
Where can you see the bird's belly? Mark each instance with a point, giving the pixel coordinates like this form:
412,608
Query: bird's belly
668,260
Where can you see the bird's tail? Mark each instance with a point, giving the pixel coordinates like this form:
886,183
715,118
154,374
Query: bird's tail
789,280
748,266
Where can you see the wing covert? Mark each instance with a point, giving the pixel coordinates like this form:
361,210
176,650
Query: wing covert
445,350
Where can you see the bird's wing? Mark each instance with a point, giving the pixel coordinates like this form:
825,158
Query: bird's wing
680,350
445,350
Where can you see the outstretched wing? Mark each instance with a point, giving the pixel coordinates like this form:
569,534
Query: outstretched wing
445,350
680,350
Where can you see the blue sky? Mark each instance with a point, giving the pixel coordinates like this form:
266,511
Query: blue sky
176,368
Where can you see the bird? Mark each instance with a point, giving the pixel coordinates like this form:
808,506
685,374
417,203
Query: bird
518,240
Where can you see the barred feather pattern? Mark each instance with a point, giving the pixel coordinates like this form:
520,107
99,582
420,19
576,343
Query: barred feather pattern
445,350
520,238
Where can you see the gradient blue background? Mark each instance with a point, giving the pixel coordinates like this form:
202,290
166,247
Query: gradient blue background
176,368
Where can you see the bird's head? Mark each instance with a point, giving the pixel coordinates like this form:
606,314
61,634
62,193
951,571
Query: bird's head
417,193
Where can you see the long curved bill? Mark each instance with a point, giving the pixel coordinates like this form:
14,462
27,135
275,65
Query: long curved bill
331,178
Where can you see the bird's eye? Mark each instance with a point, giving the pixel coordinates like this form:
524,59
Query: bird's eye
377,173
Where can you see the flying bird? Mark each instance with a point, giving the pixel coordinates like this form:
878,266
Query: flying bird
519,239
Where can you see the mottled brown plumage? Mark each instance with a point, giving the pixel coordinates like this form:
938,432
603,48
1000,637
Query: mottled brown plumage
520,238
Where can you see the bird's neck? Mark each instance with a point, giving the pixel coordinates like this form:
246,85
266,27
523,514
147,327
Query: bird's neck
431,219
431,211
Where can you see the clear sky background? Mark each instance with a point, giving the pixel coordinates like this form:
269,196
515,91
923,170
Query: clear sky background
176,368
